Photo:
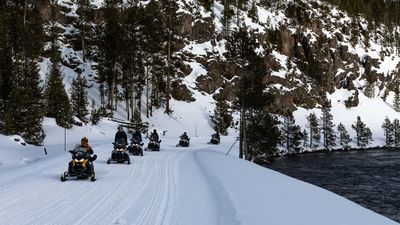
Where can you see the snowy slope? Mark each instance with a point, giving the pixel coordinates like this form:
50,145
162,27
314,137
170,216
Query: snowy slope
198,185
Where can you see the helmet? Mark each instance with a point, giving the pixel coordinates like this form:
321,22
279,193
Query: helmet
120,128
184,132
84,139
155,131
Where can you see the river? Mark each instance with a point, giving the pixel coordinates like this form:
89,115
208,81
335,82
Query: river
370,178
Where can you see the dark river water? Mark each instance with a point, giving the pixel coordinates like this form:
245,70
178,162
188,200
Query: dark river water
370,178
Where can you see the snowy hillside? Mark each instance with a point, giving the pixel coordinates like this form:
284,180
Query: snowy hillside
350,60
198,185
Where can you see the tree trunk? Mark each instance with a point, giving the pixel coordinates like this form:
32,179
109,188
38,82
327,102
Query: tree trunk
147,92
241,133
112,94
167,91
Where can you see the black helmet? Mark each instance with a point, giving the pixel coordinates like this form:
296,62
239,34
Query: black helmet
155,131
184,132
120,128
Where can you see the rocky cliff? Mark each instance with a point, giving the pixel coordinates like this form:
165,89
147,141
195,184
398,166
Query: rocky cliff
315,49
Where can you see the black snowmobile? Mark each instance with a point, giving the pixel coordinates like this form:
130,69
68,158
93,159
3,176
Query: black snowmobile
214,140
184,142
80,166
153,145
135,148
119,154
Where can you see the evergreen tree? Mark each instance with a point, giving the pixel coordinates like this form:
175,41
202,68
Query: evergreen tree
207,4
363,133
396,101
241,49
328,127
95,114
263,137
79,97
343,136
366,137
396,131
5,64
305,139
370,90
388,132
83,27
57,102
315,133
170,15
222,117
23,111
291,134
109,41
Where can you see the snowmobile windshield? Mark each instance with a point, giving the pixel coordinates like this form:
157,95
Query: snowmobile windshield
120,142
79,150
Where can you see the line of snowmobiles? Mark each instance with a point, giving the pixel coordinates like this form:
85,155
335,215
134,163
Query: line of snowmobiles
81,165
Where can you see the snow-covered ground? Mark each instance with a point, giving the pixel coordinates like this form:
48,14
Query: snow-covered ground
187,186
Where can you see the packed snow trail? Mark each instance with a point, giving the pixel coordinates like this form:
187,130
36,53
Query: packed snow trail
141,193
177,186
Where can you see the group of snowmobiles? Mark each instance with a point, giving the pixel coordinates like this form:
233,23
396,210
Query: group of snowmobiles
81,165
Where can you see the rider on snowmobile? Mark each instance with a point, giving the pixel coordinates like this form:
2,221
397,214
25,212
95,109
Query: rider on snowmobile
184,136
137,136
84,146
216,135
154,135
120,134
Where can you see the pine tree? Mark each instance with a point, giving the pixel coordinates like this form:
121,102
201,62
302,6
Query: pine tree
222,117
263,137
291,134
57,102
315,133
79,98
95,114
363,133
207,4
343,136
305,139
23,111
241,49
327,127
396,131
170,28
5,64
396,101
366,137
83,27
109,52
370,90
388,132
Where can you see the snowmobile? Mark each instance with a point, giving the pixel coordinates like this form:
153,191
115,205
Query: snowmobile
135,148
214,141
80,165
119,154
153,145
183,142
